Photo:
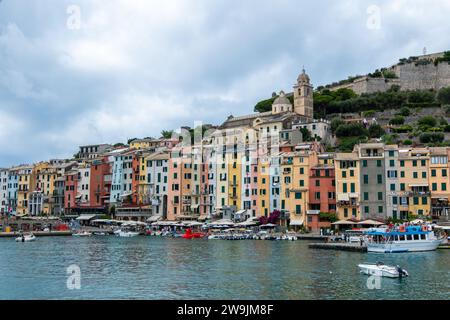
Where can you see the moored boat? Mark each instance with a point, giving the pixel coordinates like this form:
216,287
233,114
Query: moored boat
402,239
382,270
82,234
127,234
26,238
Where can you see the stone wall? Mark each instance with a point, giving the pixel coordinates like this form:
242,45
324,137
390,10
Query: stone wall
417,75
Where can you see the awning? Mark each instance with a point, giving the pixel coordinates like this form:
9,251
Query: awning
312,211
419,185
241,212
85,217
370,222
123,195
343,197
154,218
344,222
296,222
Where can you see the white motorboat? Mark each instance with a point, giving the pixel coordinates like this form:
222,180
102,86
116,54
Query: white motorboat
82,234
127,234
382,270
403,239
26,238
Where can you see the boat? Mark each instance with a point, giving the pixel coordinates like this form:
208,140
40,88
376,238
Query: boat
100,233
127,234
192,235
82,234
26,238
401,239
382,270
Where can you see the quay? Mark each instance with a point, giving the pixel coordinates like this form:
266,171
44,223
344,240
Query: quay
339,246
37,234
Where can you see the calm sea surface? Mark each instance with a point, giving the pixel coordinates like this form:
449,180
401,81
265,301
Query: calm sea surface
158,268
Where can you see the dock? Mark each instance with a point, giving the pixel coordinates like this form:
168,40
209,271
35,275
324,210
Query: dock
354,247
37,234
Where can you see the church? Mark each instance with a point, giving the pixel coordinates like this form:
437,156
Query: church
285,115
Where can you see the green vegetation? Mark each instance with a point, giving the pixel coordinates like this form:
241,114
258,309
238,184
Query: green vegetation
376,131
407,142
346,144
351,130
397,120
445,58
326,103
444,96
167,134
328,216
404,112
431,137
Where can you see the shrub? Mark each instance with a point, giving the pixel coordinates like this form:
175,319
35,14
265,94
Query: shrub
335,123
447,128
427,121
405,112
369,113
429,137
403,129
397,120
376,131
407,142
351,130
444,96
421,96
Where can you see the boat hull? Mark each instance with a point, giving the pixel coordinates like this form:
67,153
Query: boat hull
382,271
403,246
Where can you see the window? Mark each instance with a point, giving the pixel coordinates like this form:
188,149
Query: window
416,201
402,163
434,186
298,195
364,163
317,183
344,174
423,163
380,209
424,175
345,212
380,179
433,173
392,186
352,173
378,163
380,196
392,163
414,163
366,196
391,153
366,209
424,200
366,179
402,174
444,186
344,187
415,175
444,172
352,187
298,209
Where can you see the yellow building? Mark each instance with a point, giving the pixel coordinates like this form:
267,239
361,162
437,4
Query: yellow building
263,187
24,189
439,182
414,183
348,191
295,168
42,187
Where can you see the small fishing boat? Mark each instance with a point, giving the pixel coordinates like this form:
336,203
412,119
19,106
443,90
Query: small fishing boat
192,235
82,234
127,234
26,238
382,270
100,233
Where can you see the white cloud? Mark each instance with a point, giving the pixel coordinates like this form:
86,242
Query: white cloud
137,67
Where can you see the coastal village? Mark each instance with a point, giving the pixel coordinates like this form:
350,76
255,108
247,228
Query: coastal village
256,167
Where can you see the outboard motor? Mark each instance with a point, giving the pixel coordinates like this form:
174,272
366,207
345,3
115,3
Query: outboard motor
401,272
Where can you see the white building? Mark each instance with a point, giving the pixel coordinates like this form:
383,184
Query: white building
4,190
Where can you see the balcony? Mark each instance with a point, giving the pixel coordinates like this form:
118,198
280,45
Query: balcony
233,184
233,196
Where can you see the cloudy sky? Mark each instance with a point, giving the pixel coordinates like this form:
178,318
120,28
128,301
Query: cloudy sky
81,72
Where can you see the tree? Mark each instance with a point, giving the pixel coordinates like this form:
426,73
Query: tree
167,134
421,96
444,96
427,121
405,112
335,123
306,134
376,131
431,137
351,130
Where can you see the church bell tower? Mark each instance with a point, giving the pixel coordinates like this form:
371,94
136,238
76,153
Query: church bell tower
303,96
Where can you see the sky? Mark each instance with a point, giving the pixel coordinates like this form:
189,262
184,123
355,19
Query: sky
85,72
